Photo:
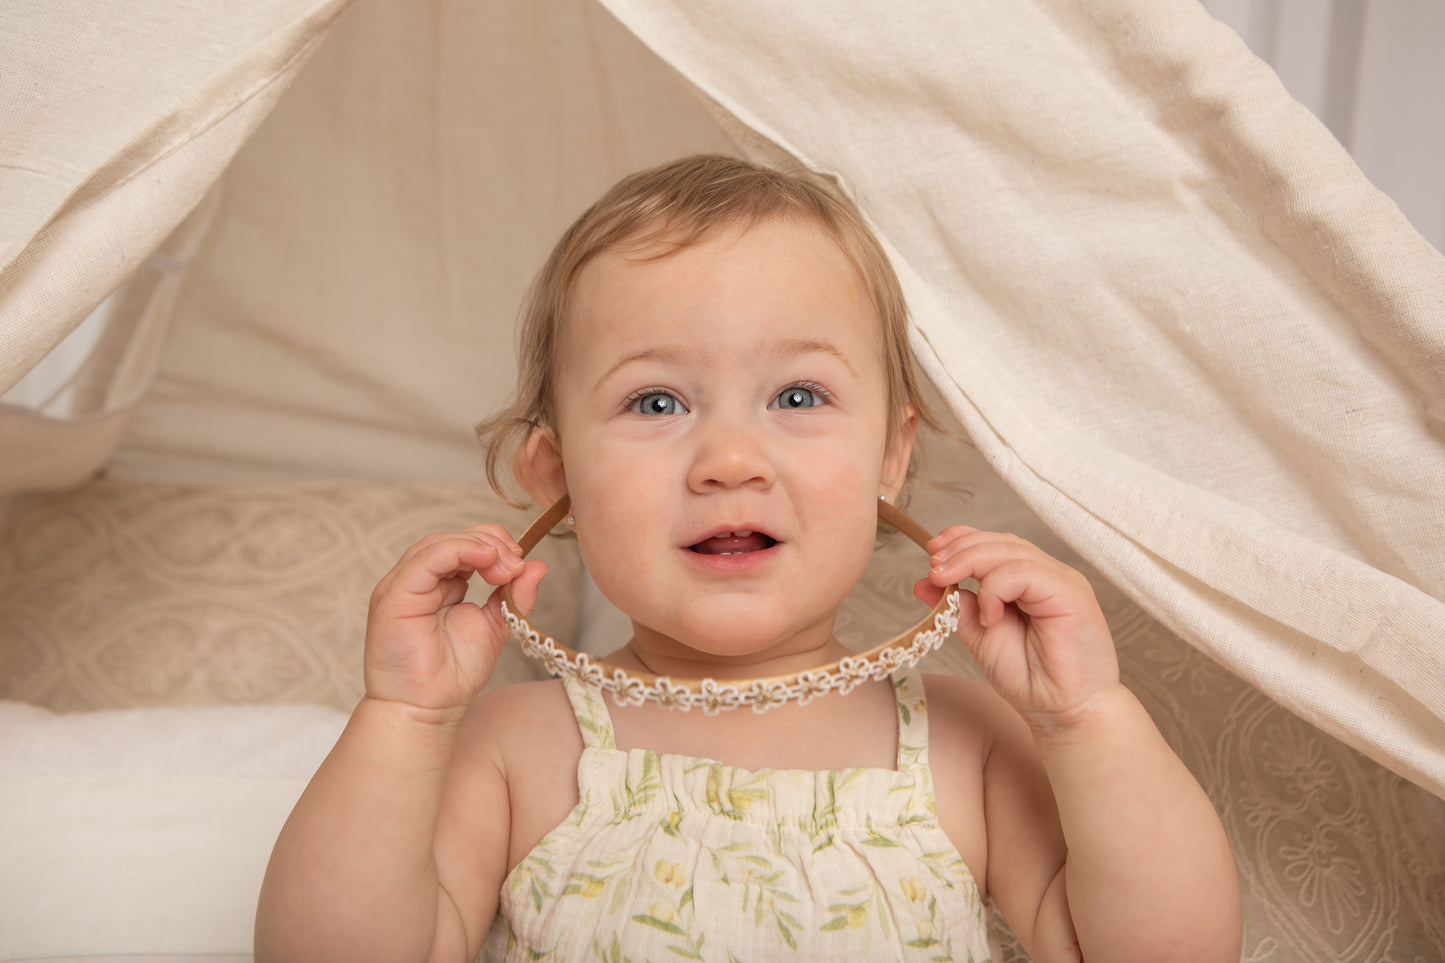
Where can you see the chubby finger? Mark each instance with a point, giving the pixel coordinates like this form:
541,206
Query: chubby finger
977,555
526,586
961,539
455,557
495,533
946,537
927,592
1038,589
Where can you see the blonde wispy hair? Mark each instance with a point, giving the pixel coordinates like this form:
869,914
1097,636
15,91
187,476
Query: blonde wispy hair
669,208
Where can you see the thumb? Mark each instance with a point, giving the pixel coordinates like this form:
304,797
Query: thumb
926,591
526,585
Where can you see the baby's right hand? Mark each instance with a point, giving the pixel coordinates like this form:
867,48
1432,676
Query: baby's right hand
425,645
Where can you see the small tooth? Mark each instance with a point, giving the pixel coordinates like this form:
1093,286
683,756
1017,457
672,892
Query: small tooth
741,534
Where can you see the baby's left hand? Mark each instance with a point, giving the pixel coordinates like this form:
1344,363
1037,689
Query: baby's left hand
1034,628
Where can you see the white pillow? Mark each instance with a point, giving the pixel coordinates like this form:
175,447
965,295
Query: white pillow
144,833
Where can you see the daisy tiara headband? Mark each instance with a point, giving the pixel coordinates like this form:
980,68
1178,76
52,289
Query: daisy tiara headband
761,694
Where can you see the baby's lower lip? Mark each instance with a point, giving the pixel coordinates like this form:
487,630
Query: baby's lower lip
732,562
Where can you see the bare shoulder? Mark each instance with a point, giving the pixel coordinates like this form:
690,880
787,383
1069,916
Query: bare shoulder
962,724
960,735
527,734
969,720
512,720
485,812
967,723
984,765
965,712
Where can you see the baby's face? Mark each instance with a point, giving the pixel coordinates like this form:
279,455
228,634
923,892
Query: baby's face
722,413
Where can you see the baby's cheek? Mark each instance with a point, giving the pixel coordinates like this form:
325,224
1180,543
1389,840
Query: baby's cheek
850,520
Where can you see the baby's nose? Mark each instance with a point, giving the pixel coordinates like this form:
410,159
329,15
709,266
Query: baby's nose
730,458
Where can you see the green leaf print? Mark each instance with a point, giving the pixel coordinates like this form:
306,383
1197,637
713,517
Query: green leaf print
948,867
763,883
593,885
633,798
853,915
528,875
883,914
613,953
673,822
825,820
786,924
585,885
658,924
592,726
732,791
909,755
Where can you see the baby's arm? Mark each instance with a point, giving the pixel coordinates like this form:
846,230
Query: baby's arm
1146,873
353,875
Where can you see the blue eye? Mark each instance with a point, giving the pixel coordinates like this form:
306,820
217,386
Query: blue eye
657,403
796,397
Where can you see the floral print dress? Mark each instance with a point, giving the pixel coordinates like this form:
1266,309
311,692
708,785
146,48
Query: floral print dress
670,857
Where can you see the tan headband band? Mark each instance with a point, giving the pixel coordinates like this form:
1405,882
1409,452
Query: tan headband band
710,695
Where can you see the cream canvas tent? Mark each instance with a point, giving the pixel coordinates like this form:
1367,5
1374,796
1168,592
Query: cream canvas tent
1192,348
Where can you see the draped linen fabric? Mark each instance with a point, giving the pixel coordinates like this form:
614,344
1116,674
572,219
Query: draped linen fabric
1158,296
115,120
1165,305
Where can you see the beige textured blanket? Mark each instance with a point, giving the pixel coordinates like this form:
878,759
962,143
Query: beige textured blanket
120,596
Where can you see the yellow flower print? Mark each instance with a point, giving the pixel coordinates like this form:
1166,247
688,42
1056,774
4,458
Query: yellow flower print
913,889
661,911
741,799
669,873
671,824
594,884
850,915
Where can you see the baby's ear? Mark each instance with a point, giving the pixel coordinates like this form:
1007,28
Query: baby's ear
900,448
538,466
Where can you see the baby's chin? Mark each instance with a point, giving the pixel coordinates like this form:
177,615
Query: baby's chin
745,648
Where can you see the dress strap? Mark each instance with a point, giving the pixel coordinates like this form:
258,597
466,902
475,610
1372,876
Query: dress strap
912,720
590,707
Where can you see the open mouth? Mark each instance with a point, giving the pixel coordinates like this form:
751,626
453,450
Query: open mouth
733,543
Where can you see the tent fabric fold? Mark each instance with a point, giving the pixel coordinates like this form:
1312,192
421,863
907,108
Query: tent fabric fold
117,119
1165,304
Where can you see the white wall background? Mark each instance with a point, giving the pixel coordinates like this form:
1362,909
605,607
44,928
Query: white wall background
1374,72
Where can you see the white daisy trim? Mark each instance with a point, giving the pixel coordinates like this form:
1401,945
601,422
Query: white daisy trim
760,695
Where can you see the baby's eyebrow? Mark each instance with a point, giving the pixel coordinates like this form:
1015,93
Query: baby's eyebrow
771,348
657,352
791,347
